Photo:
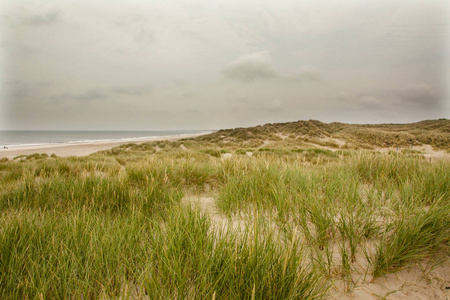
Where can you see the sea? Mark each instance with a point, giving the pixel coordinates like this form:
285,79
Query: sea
18,138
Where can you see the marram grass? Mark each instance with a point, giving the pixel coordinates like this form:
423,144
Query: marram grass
90,255
113,225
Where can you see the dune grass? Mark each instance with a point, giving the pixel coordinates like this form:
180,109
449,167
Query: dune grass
114,225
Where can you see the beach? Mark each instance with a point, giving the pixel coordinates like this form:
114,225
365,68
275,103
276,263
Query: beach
82,148
328,218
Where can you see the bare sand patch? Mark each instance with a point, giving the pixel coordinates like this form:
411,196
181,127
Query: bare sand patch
416,282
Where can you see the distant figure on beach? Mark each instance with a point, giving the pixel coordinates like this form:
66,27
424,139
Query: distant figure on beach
4,147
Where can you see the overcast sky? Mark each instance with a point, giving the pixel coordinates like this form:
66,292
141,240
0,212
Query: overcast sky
155,65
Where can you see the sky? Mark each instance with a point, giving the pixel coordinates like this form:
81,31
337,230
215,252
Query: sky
170,65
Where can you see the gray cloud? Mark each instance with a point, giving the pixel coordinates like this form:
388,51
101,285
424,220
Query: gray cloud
250,67
409,100
46,18
88,95
309,74
138,26
147,63
93,94
274,106
132,90
20,92
306,74
420,94
369,102
259,65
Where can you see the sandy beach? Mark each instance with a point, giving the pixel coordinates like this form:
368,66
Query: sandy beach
81,149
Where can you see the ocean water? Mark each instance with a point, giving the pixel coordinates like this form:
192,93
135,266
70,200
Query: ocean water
34,137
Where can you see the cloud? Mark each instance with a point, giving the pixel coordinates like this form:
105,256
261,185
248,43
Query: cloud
421,94
88,95
19,90
105,55
98,94
306,74
360,102
309,74
47,18
137,26
369,101
251,67
274,106
413,98
132,90
340,97
259,65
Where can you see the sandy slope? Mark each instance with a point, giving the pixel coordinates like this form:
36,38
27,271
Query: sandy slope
421,281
